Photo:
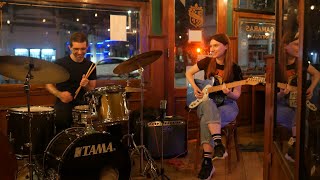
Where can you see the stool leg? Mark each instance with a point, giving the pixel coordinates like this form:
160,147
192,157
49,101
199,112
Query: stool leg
235,137
196,162
228,138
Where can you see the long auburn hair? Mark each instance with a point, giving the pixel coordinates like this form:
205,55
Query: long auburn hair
228,61
283,61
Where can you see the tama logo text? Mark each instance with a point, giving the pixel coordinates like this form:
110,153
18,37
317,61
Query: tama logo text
93,149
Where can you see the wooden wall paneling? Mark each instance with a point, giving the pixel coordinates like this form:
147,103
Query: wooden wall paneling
269,115
278,167
121,3
221,16
168,25
244,116
157,73
180,110
301,131
234,47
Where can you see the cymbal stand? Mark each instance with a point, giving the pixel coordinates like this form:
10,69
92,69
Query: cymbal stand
141,149
31,166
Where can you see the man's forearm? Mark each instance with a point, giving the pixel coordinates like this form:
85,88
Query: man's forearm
53,90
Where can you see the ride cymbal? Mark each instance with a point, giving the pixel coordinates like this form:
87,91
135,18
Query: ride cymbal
134,63
42,72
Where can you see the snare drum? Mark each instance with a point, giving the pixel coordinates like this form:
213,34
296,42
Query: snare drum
112,105
80,114
73,154
42,124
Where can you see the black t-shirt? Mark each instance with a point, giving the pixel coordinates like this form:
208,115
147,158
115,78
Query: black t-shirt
76,70
204,63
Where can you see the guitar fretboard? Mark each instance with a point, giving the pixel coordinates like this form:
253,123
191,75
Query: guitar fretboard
228,85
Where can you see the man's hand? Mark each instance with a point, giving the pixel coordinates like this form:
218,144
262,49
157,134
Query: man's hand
84,81
65,96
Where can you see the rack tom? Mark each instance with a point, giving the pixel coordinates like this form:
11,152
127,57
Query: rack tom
112,104
80,114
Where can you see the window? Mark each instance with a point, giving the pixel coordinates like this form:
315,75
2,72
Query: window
196,17
42,30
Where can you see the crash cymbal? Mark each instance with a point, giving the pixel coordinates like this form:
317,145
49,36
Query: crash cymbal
134,63
43,72
133,89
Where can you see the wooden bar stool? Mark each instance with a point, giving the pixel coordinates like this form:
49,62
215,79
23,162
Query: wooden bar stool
230,131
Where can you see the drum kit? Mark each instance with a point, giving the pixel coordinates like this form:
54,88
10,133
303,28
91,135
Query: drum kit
94,142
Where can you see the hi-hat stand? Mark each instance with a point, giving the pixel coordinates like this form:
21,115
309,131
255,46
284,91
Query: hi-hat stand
30,165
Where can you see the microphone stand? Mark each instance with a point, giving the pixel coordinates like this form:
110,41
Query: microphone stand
163,104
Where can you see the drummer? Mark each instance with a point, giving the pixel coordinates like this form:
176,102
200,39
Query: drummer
77,66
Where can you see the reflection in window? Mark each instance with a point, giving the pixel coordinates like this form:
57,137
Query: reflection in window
43,31
48,54
192,16
256,39
35,53
257,5
21,52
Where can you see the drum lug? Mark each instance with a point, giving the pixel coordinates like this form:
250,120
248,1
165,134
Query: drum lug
11,139
52,174
53,156
7,116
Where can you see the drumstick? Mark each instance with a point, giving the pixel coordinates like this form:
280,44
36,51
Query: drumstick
90,70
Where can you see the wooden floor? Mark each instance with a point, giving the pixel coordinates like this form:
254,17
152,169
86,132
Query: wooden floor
250,166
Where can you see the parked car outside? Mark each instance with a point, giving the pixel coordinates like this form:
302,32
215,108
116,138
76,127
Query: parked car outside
106,66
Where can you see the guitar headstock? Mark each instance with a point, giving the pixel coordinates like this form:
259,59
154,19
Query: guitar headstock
255,80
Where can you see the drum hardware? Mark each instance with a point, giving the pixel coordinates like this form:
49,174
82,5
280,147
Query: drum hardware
137,63
29,76
31,70
89,129
163,107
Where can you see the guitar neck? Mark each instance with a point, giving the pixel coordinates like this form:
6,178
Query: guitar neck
228,85
284,86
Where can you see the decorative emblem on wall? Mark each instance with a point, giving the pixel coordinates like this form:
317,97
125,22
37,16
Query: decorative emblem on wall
196,15
1,4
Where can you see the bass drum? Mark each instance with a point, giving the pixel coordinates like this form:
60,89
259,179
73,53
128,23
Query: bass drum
73,154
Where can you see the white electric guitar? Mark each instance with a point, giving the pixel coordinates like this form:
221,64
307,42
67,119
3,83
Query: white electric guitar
207,87
293,96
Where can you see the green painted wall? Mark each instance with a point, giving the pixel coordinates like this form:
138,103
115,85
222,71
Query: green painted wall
229,17
156,17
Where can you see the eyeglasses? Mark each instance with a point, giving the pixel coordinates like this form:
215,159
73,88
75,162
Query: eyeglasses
79,49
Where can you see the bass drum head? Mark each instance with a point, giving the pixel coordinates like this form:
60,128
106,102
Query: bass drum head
75,155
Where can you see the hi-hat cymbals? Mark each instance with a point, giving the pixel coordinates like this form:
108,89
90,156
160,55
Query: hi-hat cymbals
137,61
133,89
43,72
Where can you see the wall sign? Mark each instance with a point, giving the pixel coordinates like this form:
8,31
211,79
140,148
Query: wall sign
196,16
